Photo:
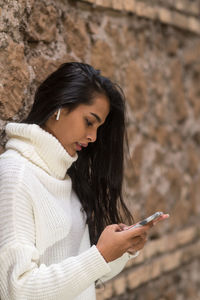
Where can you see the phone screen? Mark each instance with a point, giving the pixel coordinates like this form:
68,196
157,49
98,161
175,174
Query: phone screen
151,218
147,220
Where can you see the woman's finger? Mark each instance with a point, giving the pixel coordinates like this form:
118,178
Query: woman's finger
123,226
138,231
113,227
137,247
140,239
162,217
135,241
143,235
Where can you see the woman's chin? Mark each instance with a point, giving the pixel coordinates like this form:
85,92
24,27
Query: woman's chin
70,152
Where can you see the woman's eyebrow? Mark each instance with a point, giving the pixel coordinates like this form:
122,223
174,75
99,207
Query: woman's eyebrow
97,117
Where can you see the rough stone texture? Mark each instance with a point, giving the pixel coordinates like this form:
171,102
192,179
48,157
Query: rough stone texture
158,67
136,90
160,257
42,66
101,58
76,36
179,13
14,78
42,23
177,90
168,287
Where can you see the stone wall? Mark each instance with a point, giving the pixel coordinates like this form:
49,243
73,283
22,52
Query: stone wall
183,14
152,49
167,268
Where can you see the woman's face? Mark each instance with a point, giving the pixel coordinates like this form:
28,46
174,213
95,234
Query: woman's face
77,128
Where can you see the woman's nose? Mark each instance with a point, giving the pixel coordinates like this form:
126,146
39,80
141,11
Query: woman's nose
92,136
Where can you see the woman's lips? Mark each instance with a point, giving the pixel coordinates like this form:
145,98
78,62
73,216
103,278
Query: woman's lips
79,146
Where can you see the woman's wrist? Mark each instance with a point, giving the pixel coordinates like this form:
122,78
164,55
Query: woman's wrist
102,253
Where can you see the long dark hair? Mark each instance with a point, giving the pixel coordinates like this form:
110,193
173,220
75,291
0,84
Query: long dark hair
97,174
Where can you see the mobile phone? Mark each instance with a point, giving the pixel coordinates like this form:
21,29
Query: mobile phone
147,220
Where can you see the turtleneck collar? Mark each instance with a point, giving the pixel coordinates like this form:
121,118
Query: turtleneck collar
40,147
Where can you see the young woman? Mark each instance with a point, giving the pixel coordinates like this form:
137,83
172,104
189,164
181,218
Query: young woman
61,203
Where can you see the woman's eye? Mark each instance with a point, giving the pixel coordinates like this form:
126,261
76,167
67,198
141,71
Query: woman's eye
88,123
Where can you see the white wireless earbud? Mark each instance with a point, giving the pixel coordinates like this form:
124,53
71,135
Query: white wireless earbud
58,115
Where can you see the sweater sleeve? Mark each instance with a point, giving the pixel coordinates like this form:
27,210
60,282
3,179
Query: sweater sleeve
118,265
21,274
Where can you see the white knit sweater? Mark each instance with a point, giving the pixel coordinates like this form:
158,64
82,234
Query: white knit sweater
45,251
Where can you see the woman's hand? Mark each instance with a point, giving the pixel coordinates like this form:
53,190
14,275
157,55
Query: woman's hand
138,242
114,241
152,223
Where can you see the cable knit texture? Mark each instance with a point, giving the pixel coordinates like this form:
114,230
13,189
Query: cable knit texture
45,251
